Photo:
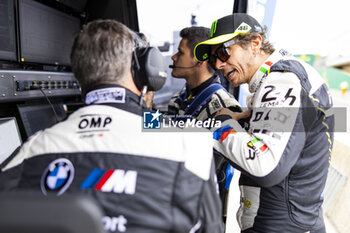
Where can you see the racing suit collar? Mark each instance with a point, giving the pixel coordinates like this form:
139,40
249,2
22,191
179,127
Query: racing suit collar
264,69
195,91
115,96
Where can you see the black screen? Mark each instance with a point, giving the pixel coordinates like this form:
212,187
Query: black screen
39,117
10,138
78,5
7,31
46,35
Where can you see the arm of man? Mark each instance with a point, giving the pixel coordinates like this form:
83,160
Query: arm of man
222,100
11,173
9,179
276,136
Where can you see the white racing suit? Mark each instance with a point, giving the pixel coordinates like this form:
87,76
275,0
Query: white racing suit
284,151
145,181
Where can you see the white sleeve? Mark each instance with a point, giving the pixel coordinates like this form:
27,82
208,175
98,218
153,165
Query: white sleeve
275,111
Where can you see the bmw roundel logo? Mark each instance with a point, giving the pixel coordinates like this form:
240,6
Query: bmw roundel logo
57,177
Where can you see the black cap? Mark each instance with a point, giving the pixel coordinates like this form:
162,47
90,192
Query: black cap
225,29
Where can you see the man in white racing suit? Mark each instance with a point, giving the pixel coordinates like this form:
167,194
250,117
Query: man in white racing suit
284,148
145,181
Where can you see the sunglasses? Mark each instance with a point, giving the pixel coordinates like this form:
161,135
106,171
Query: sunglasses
222,53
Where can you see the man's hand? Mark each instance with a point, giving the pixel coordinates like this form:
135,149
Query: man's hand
233,115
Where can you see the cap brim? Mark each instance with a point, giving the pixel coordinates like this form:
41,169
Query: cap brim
202,49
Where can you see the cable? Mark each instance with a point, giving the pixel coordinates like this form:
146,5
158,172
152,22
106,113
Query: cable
143,93
53,109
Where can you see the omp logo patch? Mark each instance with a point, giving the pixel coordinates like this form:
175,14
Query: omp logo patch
93,125
117,181
57,177
94,121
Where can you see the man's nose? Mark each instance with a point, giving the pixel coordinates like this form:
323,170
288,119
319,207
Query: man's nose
219,64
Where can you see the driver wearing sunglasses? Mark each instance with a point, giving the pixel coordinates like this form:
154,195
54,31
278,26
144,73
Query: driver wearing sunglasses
221,52
283,152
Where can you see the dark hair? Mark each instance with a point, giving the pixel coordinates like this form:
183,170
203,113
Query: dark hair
102,53
195,35
142,37
245,39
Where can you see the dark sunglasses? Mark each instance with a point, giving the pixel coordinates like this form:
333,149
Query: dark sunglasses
221,53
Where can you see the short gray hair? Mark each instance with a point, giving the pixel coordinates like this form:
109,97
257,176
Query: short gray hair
102,53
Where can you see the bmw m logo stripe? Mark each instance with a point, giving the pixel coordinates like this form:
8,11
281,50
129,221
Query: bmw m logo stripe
92,179
117,181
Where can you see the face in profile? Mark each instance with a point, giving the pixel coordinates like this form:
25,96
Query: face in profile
237,67
183,58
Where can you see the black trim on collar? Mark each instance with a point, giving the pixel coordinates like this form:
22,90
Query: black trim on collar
214,79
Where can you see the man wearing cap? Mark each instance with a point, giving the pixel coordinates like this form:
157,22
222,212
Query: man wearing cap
285,150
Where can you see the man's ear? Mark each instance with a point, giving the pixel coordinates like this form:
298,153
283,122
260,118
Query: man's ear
199,64
256,43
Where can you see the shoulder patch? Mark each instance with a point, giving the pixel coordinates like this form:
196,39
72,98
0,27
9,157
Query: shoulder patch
215,104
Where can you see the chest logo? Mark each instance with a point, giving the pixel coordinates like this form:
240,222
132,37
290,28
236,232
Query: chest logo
117,181
57,177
